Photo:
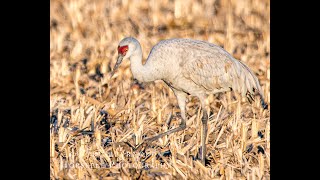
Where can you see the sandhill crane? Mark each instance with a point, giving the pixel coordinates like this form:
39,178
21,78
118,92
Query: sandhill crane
190,67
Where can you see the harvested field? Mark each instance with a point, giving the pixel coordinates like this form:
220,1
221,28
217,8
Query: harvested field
97,120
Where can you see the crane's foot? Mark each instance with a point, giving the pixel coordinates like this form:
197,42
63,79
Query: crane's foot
181,127
202,153
203,158
204,161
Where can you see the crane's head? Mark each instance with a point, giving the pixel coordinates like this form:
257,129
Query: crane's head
126,48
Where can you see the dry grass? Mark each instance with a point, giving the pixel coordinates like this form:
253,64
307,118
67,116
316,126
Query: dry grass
93,116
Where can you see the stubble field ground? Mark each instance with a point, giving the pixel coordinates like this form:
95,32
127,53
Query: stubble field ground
95,119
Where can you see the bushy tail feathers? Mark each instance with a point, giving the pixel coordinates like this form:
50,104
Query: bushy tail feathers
249,84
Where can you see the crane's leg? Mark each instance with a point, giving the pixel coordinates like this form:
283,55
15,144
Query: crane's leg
181,97
204,128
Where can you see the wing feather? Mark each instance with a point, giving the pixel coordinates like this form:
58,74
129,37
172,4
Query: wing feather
216,69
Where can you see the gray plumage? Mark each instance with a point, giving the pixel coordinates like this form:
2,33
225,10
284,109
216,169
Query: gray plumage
191,67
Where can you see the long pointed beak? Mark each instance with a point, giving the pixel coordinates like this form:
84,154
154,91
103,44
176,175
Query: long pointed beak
119,60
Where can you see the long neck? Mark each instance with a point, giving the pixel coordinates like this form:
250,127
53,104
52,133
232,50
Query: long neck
142,73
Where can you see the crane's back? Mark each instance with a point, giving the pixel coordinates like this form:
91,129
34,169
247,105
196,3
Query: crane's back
186,48
172,55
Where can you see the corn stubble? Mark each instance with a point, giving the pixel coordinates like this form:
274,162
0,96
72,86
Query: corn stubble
96,121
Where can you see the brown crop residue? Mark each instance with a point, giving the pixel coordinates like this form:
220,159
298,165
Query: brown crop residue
96,121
